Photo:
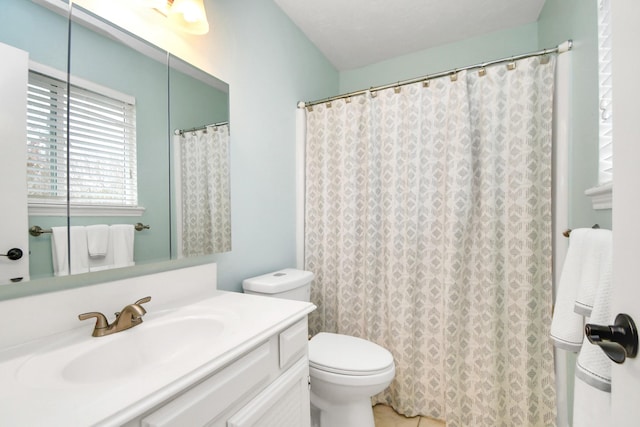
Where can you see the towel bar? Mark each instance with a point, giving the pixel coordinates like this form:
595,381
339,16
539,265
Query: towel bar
567,232
36,230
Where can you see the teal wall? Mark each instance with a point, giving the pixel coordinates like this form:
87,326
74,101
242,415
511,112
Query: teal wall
561,20
270,65
494,45
35,29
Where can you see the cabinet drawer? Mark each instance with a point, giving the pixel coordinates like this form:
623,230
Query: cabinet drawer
293,343
206,401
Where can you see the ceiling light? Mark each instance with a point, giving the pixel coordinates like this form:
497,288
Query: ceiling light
189,15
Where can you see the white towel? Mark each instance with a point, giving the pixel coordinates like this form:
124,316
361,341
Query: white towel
98,240
596,258
592,394
122,241
593,366
120,249
591,407
566,326
79,252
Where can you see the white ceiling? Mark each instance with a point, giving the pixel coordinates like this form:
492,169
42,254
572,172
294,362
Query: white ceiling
355,33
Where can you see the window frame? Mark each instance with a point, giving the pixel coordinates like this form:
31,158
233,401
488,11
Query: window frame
601,196
50,208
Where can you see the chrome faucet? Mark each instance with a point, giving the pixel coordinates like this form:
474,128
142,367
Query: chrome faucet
128,317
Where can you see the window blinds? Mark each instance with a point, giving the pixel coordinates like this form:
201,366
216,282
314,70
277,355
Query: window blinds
604,76
101,151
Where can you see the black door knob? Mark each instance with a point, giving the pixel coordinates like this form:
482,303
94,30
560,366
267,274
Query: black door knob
13,254
618,341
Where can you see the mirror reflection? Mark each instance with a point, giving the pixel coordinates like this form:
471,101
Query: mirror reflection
129,200
199,115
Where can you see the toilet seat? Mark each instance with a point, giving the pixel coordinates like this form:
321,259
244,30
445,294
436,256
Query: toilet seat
347,355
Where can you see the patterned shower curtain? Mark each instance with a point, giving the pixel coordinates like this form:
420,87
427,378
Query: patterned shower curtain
428,226
203,163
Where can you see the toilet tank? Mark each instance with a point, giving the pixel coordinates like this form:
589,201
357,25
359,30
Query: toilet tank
289,283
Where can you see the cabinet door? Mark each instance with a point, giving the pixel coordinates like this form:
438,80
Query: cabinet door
285,403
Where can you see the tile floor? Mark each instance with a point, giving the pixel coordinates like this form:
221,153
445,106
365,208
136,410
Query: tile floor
385,416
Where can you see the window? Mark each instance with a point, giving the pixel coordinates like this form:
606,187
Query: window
601,195
100,160
604,70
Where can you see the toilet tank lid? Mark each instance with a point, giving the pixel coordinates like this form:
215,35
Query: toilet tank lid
278,281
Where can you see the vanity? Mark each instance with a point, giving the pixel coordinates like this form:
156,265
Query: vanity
200,357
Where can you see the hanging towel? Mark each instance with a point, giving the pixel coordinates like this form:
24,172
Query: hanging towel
59,250
592,395
591,407
98,240
596,258
79,251
566,326
120,249
122,241
593,366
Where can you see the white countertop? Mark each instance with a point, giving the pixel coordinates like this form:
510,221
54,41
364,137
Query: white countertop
34,391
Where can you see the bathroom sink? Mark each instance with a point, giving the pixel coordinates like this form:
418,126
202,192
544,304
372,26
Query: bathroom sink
151,346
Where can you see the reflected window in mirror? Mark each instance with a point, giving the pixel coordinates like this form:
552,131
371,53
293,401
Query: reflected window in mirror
100,157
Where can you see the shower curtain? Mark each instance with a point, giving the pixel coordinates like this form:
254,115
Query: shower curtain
202,191
428,226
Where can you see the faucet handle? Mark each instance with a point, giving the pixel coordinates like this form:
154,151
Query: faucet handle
101,322
142,300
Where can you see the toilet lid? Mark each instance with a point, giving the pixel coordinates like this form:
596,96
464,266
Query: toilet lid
348,355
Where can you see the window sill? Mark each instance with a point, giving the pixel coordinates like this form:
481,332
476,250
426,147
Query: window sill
36,209
601,196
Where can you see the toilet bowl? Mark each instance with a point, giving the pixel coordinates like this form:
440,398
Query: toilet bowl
345,371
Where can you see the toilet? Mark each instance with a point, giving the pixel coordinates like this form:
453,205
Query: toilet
345,371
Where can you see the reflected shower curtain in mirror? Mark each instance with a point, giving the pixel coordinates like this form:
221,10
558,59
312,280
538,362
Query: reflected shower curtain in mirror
203,199
428,226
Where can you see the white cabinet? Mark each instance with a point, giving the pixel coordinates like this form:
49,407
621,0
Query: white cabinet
285,403
268,387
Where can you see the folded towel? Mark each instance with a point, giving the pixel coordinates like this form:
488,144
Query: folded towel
593,366
566,326
78,251
120,249
596,257
98,240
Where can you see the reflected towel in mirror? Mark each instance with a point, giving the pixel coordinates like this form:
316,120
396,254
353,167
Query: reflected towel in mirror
119,251
97,240
60,250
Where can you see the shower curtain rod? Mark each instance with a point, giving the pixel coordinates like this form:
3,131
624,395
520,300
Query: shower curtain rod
561,48
182,131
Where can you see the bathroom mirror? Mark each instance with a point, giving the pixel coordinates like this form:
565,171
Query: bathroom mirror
154,94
